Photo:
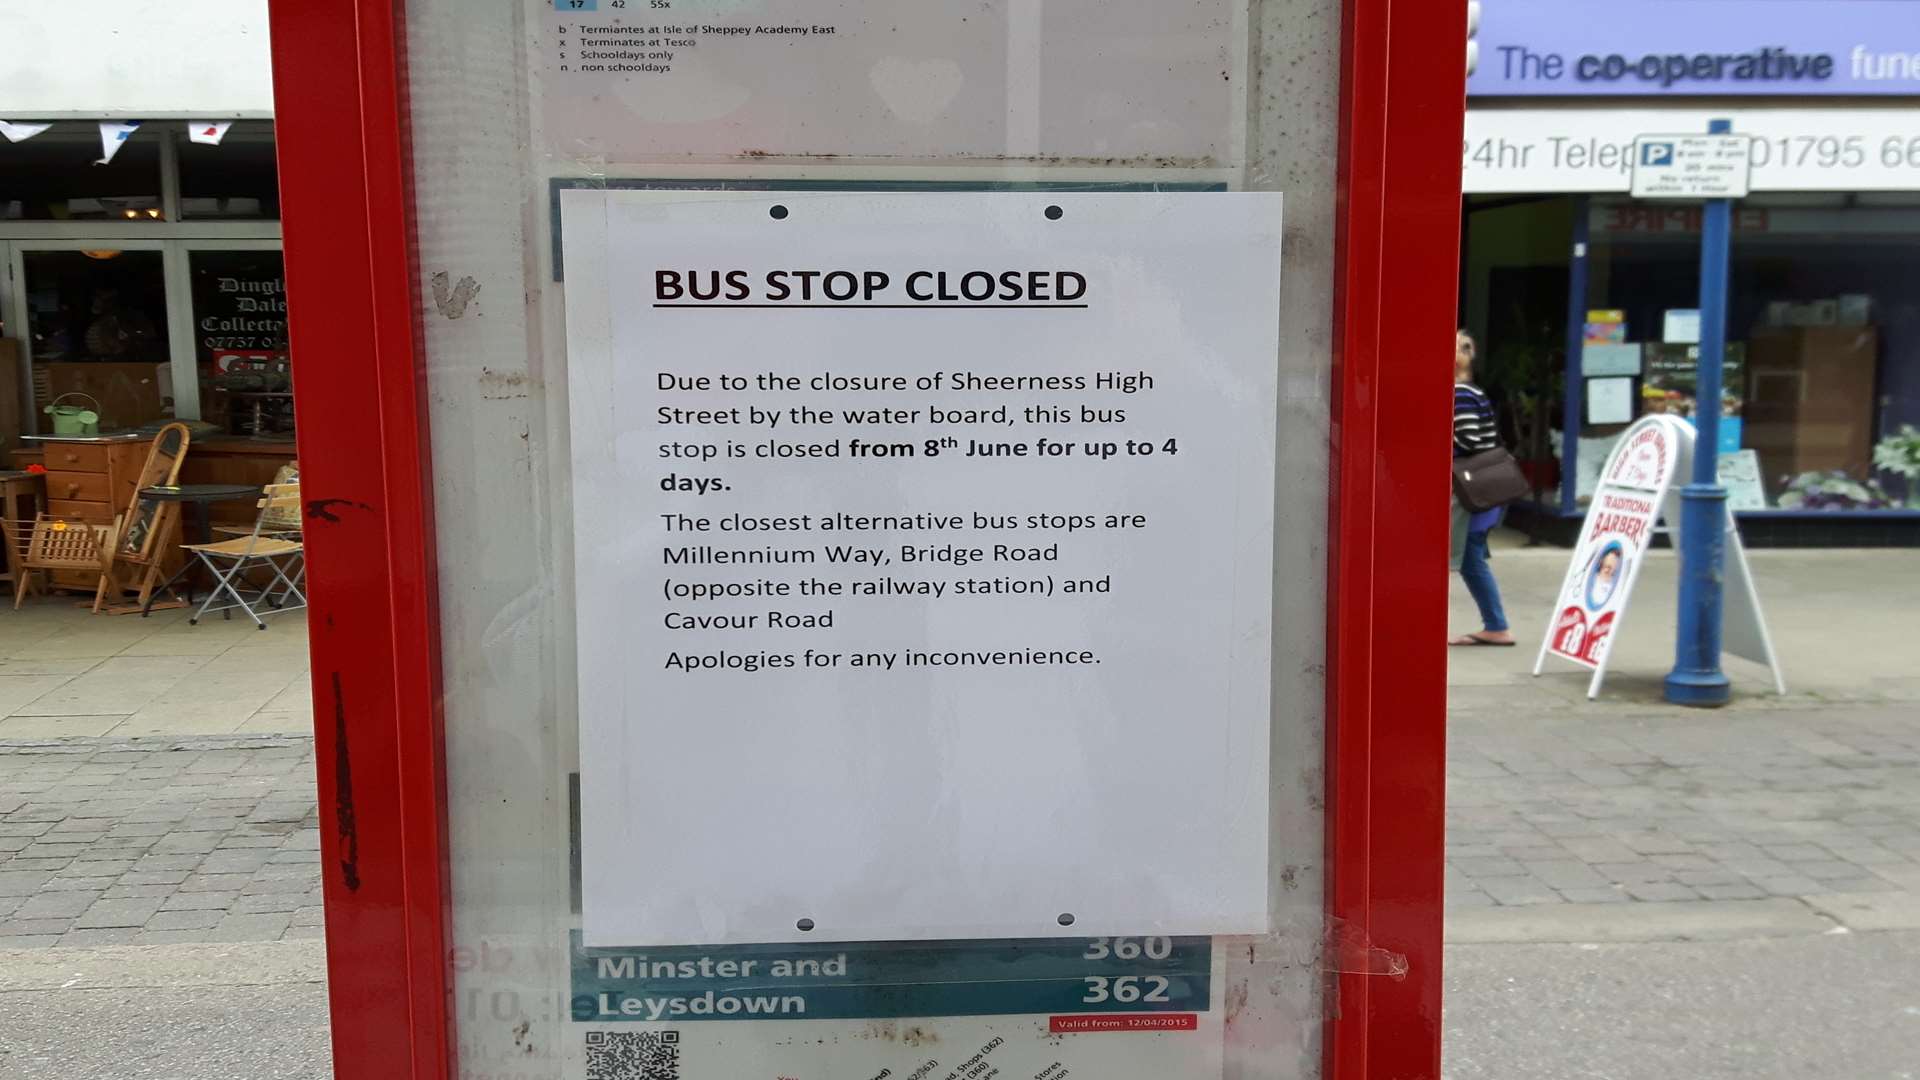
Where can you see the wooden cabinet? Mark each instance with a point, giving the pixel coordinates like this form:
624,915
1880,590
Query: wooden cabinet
1810,399
91,480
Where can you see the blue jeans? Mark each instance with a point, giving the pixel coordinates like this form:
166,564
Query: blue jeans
1479,578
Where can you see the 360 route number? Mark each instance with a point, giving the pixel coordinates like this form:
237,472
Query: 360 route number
1124,948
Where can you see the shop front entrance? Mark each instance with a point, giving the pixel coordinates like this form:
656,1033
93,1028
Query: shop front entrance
151,285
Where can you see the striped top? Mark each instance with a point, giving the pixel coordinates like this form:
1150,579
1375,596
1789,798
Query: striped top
1474,429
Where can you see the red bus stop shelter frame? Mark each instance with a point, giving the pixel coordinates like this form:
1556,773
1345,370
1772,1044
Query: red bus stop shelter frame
340,103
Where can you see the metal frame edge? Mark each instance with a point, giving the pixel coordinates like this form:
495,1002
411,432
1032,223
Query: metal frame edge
1396,257
339,87
338,76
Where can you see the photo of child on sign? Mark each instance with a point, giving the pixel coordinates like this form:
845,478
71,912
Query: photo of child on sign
1604,575
1586,618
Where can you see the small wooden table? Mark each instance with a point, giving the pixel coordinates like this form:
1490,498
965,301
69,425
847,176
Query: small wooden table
197,497
15,487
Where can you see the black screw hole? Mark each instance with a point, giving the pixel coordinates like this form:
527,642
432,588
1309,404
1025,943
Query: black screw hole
1054,213
1066,917
779,213
804,924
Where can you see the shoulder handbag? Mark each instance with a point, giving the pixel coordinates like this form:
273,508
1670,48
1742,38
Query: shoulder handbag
1488,480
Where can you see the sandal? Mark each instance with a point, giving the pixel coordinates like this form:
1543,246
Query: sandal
1466,640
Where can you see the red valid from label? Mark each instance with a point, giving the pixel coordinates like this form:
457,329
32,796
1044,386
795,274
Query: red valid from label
1081,1025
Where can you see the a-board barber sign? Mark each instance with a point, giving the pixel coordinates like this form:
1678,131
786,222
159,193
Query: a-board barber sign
1613,543
1636,494
920,539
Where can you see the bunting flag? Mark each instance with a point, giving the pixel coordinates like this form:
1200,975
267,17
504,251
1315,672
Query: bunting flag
210,134
17,132
113,135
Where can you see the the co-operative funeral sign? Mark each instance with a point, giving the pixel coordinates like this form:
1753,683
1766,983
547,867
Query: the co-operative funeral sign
1647,48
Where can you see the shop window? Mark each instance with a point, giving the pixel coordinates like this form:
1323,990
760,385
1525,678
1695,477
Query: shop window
236,180
240,341
98,323
52,176
1823,341
1514,299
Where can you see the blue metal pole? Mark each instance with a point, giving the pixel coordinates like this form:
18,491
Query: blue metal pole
1696,678
1573,393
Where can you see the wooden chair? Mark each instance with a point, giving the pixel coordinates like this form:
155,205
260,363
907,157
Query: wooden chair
47,544
287,524
152,525
282,558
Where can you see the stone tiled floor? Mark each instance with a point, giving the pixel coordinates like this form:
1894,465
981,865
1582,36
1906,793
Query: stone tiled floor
116,844
1555,799
1842,623
195,818
66,673
1547,808
216,837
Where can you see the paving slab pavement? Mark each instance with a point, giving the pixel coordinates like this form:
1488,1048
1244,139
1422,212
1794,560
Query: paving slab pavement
1632,815
252,1011
1550,808
1560,828
1843,623
66,673
1821,1007
1813,798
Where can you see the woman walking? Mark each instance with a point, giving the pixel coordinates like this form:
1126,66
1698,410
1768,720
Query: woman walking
1475,431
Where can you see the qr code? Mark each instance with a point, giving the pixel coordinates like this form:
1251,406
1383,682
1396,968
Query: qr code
633,1055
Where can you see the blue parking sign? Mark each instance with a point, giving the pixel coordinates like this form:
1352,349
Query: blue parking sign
1656,153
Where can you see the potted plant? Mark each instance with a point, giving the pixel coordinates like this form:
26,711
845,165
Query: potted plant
1899,454
1832,489
1528,375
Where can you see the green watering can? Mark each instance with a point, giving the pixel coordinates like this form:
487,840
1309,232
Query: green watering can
72,419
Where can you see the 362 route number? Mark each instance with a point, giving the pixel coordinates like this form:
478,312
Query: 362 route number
1126,948
1126,989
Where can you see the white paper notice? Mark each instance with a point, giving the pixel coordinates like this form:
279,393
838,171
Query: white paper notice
1739,473
1094,81
923,563
1681,326
1609,401
1610,359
